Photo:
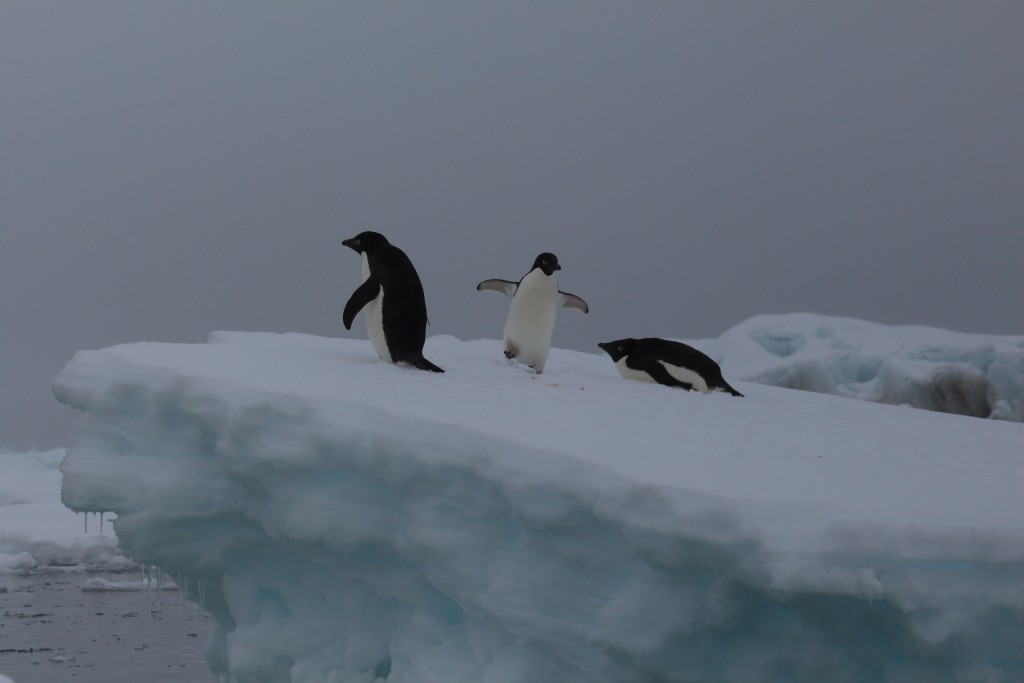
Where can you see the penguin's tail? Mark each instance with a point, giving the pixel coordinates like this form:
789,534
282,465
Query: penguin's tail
725,387
424,364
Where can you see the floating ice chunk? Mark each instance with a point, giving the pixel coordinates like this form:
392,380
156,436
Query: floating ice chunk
19,561
98,584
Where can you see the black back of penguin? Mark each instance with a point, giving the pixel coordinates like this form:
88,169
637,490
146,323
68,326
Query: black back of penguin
644,355
404,311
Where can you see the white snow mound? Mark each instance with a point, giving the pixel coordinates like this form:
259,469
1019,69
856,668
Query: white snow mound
348,520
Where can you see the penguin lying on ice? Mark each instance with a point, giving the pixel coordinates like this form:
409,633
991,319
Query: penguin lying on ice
392,297
531,317
667,362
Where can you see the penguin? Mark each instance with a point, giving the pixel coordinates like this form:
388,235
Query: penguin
392,297
531,317
667,362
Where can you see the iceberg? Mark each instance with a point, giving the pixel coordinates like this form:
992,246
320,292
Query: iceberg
347,520
953,372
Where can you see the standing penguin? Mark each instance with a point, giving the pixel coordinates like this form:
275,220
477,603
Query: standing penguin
667,362
392,296
531,317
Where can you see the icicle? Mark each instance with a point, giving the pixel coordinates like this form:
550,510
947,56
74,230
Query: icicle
86,515
101,522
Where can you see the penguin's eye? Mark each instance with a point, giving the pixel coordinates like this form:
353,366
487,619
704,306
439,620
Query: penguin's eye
544,262
620,348
358,241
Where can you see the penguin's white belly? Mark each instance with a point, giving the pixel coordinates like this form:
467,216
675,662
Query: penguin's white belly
630,373
682,374
688,376
373,312
531,320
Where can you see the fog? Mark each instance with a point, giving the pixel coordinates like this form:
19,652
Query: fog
170,169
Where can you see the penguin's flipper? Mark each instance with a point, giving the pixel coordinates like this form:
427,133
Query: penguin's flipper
424,364
567,300
662,376
364,294
505,287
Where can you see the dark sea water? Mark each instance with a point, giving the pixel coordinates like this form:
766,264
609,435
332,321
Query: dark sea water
52,631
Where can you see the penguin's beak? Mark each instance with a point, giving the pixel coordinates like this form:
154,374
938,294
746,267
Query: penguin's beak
558,267
348,243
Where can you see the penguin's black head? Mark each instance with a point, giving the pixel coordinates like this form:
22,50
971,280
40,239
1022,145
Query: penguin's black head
547,262
618,349
366,242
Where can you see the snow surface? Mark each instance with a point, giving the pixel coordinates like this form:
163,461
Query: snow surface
966,374
349,520
37,531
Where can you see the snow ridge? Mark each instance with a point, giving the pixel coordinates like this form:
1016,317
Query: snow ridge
965,374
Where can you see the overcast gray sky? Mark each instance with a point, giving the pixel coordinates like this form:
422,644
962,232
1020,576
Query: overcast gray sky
169,169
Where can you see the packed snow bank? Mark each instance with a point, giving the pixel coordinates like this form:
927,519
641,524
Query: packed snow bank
952,372
38,532
348,520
